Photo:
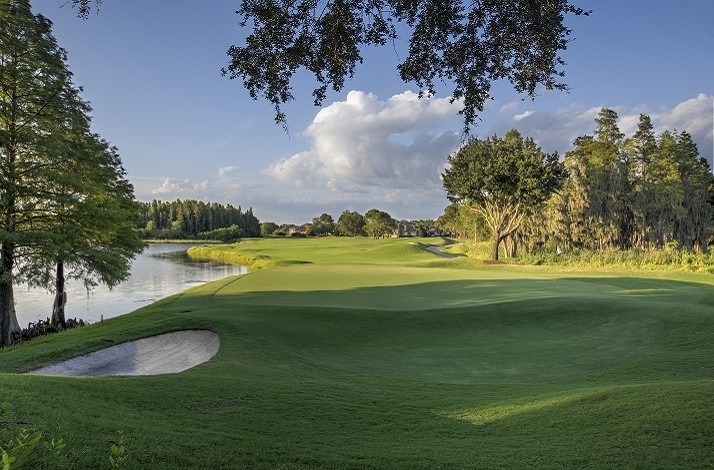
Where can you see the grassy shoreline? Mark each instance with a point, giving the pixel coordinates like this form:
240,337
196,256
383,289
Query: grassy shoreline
379,354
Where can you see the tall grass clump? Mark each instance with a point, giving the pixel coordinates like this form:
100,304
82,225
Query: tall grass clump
654,258
470,249
226,254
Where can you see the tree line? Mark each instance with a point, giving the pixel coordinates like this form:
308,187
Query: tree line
196,219
643,191
373,223
66,207
610,191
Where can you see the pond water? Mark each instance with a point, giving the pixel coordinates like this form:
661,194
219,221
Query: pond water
161,270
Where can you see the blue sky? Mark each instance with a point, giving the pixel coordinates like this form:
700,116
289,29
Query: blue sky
151,69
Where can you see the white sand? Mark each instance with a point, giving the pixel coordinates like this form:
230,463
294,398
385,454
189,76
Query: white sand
164,354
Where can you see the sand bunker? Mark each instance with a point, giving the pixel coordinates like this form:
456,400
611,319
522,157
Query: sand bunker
164,354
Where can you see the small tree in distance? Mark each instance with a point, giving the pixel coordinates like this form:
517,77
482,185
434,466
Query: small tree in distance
379,223
322,225
351,223
267,228
502,180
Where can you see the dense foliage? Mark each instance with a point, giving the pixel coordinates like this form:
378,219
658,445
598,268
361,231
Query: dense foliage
646,191
374,223
196,219
379,224
322,225
459,221
468,44
351,223
46,327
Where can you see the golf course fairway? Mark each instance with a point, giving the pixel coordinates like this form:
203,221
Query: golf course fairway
359,353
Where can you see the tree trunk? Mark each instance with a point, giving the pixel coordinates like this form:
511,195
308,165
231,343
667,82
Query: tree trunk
502,220
511,246
8,318
60,297
496,243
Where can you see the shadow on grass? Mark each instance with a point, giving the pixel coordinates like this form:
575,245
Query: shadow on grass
460,293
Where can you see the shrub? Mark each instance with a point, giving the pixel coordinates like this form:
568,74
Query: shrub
45,327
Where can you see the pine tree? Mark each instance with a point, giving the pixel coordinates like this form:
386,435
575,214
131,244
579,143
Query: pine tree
695,177
642,147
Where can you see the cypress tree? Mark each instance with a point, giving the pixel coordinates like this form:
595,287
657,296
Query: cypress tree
33,82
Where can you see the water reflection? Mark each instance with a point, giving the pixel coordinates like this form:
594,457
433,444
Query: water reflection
161,270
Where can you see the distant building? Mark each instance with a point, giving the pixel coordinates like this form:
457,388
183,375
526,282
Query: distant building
406,229
298,229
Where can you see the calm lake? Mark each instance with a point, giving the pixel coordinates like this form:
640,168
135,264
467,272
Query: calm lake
161,270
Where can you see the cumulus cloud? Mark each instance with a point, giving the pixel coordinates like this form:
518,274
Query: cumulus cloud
695,116
364,143
225,191
553,131
173,186
366,152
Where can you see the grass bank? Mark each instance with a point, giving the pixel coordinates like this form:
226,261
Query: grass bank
378,354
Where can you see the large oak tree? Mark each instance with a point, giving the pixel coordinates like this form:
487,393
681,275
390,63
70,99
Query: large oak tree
502,180
351,223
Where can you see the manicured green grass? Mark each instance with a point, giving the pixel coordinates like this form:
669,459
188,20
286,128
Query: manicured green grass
366,353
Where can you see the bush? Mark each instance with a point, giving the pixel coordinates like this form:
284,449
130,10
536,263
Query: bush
226,235
45,327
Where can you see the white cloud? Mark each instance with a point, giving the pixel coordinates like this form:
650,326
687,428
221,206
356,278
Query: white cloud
223,190
365,152
554,130
365,143
223,171
518,117
173,186
695,116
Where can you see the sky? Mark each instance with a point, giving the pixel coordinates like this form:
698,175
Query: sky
151,70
